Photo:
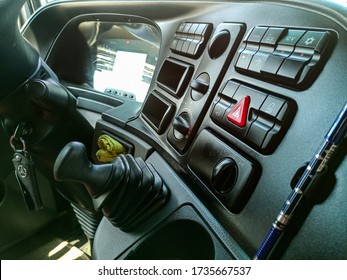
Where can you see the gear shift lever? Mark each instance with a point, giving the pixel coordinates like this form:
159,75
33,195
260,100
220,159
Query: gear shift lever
127,190
72,164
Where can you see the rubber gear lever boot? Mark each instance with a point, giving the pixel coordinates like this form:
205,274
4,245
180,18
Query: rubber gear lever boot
127,190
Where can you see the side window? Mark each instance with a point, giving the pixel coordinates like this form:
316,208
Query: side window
29,7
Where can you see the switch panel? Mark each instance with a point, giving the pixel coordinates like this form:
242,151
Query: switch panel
286,56
205,83
191,38
266,118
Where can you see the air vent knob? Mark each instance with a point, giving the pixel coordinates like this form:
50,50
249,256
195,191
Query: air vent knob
181,126
224,175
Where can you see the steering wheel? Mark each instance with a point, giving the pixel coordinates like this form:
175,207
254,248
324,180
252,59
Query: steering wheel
31,96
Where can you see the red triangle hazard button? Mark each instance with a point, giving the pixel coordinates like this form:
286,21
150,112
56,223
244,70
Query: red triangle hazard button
238,114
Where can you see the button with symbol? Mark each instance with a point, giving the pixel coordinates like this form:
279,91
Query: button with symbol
181,27
258,61
292,37
187,27
272,105
271,36
256,98
313,40
244,59
310,41
219,111
257,34
238,114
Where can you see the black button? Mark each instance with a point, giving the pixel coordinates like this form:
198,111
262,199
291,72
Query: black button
199,49
275,60
272,64
302,54
219,111
230,89
180,43
283,114
193,28
291,69
272,105
270,140
185,46
312,39
257,34
201,29
257,98
193,47
272,35
283,50
258,61
258,130
181,27
292,37
245,58
174,44
187,27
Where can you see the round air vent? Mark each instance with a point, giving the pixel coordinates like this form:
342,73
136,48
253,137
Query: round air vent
219,44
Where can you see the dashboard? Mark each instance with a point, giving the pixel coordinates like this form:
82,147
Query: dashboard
239,96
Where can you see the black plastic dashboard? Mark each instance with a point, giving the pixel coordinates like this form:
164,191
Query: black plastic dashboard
242,95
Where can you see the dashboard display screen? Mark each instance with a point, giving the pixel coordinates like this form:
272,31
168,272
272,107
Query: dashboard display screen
123,56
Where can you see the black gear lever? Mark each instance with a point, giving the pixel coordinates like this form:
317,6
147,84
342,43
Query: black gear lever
127,190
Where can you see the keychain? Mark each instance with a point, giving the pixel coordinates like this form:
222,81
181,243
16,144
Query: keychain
25,172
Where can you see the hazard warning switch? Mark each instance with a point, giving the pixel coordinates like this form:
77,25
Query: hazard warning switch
238,114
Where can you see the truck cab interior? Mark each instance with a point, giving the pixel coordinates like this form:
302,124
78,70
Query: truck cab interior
170,129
